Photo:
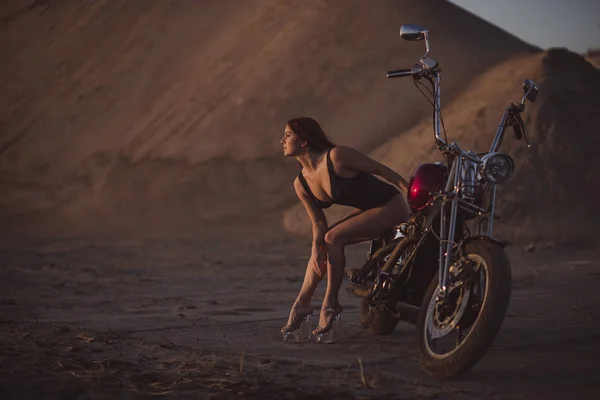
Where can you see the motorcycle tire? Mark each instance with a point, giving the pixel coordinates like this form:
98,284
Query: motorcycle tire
375,320
486,324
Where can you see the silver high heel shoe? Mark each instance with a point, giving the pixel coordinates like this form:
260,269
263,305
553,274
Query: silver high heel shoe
328,333
300,326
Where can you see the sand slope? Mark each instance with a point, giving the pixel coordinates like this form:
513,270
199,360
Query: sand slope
169,113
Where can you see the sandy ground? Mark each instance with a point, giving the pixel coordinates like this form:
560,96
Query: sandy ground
199,317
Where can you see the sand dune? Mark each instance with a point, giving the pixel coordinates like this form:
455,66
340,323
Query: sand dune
169,113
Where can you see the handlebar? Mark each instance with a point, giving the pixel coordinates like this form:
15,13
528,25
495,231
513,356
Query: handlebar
518,127
399,73
511,118
429,68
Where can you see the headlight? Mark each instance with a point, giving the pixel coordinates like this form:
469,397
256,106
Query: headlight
497,167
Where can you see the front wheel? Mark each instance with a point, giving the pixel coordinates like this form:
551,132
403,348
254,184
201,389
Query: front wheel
453,335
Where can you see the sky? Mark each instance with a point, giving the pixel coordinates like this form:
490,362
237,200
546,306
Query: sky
574,24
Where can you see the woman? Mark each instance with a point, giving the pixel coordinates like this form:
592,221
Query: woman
336,175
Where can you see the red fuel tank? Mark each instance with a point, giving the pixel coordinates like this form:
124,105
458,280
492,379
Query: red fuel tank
426,178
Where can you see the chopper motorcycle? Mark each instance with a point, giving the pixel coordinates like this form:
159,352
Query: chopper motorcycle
432,271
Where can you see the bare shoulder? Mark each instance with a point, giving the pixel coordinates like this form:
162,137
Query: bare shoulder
347,158
344,156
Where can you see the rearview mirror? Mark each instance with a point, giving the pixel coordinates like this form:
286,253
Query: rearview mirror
413,32
531,91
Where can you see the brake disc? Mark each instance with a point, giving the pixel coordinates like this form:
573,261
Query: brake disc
439,325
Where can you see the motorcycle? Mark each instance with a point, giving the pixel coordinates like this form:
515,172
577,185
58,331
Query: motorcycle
431,271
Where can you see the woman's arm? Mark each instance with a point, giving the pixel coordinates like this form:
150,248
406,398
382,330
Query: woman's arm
346,157
316,215
318,256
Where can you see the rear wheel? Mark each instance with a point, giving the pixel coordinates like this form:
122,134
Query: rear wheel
453,335
377,320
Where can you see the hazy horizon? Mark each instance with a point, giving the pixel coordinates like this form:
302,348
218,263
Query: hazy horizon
539,22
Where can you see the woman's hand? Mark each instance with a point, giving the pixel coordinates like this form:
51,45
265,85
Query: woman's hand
319,259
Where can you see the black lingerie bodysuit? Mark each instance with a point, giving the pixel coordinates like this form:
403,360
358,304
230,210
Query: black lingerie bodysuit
363,191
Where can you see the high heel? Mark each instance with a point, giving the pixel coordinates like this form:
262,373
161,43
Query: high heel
328,333
299,326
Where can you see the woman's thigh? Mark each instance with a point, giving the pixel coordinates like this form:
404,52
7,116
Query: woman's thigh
352,214
368,224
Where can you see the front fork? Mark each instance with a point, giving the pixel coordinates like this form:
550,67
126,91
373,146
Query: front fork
447,235
451,198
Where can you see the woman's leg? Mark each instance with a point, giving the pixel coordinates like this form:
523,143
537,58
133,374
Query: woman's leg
302,305
352,214
364,226
312,279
